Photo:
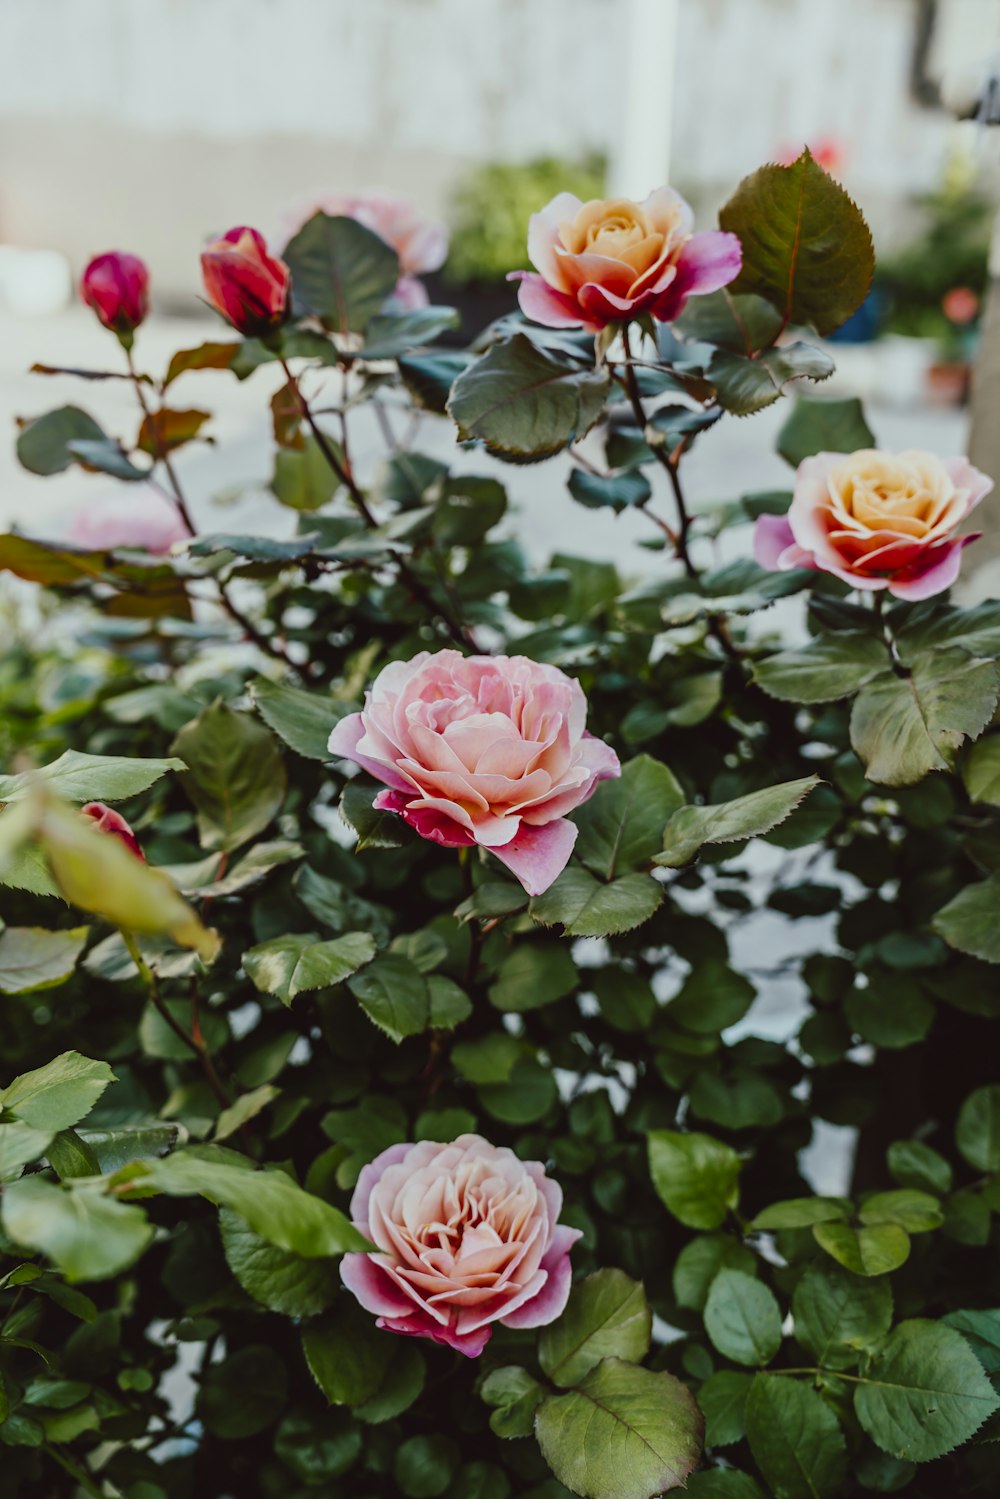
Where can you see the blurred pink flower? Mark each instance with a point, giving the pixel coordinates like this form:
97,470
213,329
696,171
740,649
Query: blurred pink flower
491,750
876,520
466,1235
960,305
112,822
146,521
420,243
826,151
612,260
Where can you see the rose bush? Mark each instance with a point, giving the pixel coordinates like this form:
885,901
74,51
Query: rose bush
547,1044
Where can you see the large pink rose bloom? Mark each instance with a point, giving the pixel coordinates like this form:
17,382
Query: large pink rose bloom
876,520
146,521
420,243
481,749
466,1235
611,260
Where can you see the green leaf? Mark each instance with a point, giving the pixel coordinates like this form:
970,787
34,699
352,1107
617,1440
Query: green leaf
375,829
207,356
269,1202
802,1212
914,1164
58,1095
394,995
722,1483
287,966
872,1250
833,667
903,727
32,958
587,907
795,1439
525,404
246,1107
696,1177
244,1394
402,1385
235,776
514,1395
19,1144
78,777
917,1212
712,997
981,1330
745,385
303,478
341,271
318,1448
837,1316
741,324
722,1399
624,1433
526,1097
977,1130
532,975
981,771
304,720
615,491
806,246
607,1316
729,822
429,377
621,827
43,444
700,1261
86,1235
816,425
277,1278
424,1465
742,1318
347,1355
924,1392
488,1059
392,334
969,921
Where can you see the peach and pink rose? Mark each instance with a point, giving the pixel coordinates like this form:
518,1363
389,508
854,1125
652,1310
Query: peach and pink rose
465,1235
612,260
421,243
876,520
488,750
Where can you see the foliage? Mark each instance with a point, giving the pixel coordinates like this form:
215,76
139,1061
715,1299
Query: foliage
781,918
493,204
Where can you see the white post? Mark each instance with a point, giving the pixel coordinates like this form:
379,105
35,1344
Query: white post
640,156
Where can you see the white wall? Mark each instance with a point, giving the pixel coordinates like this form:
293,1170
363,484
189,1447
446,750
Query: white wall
149,123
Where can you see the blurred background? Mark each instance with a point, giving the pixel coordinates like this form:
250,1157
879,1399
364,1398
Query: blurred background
151,126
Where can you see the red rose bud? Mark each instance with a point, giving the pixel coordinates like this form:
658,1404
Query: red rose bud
116,286
109,821
246,284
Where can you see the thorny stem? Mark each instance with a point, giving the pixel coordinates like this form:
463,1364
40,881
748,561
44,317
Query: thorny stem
195,1043
667,461
263,642
458,631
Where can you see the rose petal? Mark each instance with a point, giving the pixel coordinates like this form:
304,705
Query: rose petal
936,571
538,855
708,262
543,304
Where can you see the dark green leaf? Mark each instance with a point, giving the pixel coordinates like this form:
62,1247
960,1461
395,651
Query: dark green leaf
607,1316
341,271
235,775
729,822
816,425
696,1177
903,727
742,1318
795,1439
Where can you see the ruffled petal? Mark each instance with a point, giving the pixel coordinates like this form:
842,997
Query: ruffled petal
538,855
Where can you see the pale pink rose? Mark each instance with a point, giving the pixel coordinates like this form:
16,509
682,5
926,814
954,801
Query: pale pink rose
466,1235
612,260
876,520
481,749
420,243
146,521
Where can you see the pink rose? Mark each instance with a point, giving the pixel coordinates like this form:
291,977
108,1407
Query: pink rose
466,1235
146,521
116,286
481,749
107,820
246,284
611,260
877,520
420,243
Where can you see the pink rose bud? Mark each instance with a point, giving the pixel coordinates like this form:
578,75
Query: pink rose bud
876,520
110,821
490,750
466,1235
142,519
116,286
612,260
246,284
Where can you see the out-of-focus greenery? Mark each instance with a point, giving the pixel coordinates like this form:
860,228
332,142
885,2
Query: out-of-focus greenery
951,251
493,204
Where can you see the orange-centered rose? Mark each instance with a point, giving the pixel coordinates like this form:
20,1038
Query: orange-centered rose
877,520
611,260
